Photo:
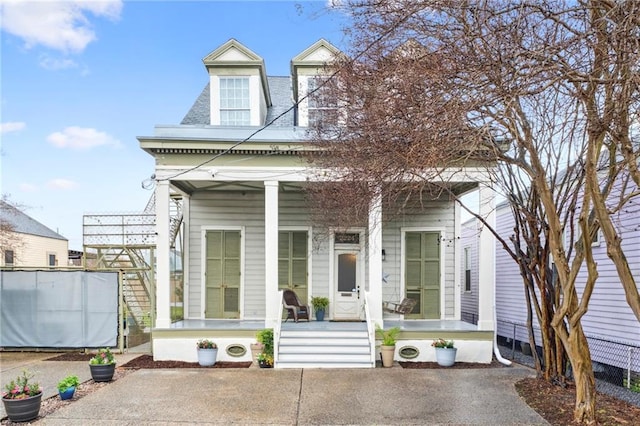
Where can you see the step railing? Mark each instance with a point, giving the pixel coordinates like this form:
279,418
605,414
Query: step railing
371,331
276,330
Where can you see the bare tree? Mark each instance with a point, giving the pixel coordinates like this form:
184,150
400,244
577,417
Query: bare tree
10,240
447,80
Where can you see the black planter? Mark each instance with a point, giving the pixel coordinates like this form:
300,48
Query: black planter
264,364
23,410
102,372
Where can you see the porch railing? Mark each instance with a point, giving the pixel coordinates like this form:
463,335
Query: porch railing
276,330
371,331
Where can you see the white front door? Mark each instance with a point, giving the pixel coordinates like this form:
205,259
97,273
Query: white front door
347,281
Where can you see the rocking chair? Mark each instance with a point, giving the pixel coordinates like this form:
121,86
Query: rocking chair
295,308
405,307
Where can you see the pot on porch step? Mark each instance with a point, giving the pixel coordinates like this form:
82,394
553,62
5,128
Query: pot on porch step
319,314
207,357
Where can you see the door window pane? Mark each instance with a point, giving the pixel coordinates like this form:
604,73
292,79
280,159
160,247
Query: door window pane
346,272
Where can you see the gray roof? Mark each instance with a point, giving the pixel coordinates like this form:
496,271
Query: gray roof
20,222
281,101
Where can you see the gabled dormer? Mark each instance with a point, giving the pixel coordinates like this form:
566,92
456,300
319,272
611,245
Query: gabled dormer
308,70
238,83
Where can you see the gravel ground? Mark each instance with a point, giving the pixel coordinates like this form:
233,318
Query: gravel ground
619,392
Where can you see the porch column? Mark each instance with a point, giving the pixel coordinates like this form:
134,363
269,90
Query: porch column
163,287
272,303
375,259
486,260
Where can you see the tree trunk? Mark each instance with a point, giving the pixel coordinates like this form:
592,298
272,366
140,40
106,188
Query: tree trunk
585,408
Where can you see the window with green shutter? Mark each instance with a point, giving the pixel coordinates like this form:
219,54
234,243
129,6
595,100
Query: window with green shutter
292,262
222,294
422,273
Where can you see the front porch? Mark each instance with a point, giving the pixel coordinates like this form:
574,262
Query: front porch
178,341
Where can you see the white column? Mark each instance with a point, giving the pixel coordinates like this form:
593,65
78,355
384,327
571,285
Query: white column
163,287
272,303
486,260
186,241
375,259
457,250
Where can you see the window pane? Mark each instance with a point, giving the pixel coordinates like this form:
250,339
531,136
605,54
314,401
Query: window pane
8,257
52,260
234,101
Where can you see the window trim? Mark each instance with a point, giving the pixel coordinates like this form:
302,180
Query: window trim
246,109
55,259
467,268
13,257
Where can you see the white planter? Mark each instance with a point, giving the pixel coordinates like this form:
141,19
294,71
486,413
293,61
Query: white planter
446,357
207,357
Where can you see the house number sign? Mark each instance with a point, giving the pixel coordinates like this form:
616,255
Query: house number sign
344,238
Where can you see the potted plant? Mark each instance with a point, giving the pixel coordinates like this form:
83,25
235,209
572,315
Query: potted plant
319,304
22,399
207,352
445,352
265,358
388,346
67,387
257,348
102,365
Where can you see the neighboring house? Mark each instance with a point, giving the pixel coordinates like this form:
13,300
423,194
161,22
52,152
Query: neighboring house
249,234
28,243
610,324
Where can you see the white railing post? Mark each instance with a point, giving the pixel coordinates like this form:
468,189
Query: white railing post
276,331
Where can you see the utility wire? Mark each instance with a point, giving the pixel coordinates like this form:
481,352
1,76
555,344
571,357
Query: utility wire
295,104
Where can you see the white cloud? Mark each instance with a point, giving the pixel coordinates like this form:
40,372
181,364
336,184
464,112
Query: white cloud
81,138
53,64
60,25
27,187
61,184
11,126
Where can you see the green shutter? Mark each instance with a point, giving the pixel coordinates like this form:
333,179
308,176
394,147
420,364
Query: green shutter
222,297
293,262
422,273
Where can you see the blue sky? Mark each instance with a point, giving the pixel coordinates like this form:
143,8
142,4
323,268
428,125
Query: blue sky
81,79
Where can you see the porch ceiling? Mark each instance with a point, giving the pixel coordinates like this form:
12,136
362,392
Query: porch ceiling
191,186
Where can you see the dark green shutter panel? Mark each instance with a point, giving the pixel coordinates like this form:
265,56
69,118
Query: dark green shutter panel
222,298
422,273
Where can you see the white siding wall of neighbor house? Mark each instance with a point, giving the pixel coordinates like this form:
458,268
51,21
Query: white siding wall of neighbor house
437,214
34,251
609,316
236,209
469,299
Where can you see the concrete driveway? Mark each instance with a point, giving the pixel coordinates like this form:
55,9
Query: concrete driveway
394,396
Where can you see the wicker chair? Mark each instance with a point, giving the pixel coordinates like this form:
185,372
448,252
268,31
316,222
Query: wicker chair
296,310
405,307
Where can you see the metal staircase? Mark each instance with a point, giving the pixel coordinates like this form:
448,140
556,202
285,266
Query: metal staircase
325,348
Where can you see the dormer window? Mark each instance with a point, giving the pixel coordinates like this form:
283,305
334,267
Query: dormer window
235,105
321,105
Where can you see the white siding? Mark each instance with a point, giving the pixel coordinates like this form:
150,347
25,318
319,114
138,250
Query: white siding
436,215
236,209
469,300
33,251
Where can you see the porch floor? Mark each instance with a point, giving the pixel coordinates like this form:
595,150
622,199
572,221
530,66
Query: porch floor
406,325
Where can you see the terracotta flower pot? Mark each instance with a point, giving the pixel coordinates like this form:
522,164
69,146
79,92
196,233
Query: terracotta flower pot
388,353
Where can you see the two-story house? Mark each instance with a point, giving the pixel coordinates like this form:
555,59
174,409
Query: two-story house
236,160
28,243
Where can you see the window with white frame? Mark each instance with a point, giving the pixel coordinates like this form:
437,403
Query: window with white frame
235,106
320,105
467,269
